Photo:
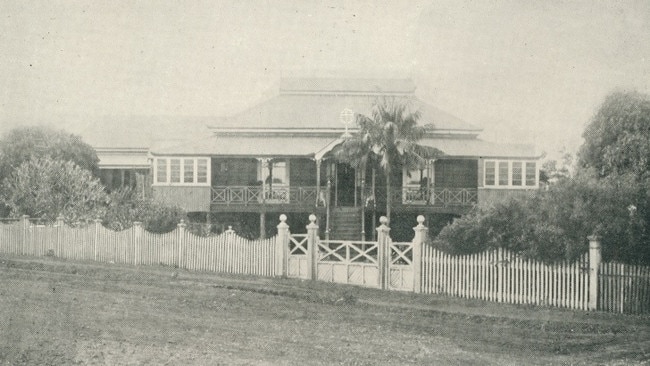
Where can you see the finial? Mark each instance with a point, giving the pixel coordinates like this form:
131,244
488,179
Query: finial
383,220
312,218
283,218
420,219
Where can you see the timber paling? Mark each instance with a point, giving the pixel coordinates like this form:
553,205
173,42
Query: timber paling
495,275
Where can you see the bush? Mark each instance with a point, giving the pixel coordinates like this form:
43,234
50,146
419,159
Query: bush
46,188
554,225
124,207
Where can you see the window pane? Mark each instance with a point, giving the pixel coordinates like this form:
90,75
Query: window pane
517,173
280,173
503,173
489,173
202,171
188,170
175,170
161,171
417,177
530,174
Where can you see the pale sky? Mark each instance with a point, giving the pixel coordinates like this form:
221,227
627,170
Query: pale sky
525,71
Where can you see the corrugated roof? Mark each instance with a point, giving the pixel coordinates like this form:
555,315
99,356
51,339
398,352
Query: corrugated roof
309,146
322,111
480,148
347,85
245,145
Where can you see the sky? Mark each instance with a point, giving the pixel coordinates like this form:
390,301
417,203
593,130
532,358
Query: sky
525,71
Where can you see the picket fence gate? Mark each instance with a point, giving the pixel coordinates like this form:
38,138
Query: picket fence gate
495,275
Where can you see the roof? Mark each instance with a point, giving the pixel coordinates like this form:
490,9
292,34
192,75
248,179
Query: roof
477,148
319,111
278,145
347,85
314,146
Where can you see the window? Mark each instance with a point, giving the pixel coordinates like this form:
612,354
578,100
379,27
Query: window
490,173
161,170
516,173
531,172
416,177
202,171
279,170
175,170
182,171
188,170
510,174
503,173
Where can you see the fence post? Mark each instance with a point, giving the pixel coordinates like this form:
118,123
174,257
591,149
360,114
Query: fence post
181,242
281,247
98,222
25,235
312,247
137,242
594,263
383,251
59,235
418,240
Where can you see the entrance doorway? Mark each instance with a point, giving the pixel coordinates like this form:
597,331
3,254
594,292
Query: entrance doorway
345,185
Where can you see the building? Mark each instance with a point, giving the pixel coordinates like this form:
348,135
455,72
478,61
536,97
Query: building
275,158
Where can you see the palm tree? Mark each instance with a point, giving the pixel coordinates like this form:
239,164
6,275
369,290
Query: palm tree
389,138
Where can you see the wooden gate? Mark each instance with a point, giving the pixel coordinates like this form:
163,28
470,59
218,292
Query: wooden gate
348,262
400,266
297,257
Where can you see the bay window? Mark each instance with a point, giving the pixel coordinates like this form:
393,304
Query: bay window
181,171
510,174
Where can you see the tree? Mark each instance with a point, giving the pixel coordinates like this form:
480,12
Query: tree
22,144
617,140
390,138
48,188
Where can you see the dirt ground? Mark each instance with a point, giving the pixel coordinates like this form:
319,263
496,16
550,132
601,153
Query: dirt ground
56,312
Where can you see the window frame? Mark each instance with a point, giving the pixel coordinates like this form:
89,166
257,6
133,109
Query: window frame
183,160
497,163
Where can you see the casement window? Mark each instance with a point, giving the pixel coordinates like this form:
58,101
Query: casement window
276,173
181,171
510,174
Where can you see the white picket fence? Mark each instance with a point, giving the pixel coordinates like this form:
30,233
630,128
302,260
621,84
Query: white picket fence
496,275
227,252
502,276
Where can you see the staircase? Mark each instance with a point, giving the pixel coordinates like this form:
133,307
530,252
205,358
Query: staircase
345,223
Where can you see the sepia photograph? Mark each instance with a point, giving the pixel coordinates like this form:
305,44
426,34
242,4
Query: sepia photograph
289,182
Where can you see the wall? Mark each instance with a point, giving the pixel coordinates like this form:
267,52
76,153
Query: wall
188,198
456,173
234,171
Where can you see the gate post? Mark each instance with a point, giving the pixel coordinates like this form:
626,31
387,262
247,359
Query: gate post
383,252
281,247
312,247
418,240
594,263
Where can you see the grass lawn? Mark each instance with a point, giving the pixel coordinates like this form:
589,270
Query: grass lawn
57,312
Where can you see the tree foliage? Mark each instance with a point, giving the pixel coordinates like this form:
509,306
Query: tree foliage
22,144
617,140
47,188
389,138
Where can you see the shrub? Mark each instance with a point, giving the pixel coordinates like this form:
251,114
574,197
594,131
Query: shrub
124,207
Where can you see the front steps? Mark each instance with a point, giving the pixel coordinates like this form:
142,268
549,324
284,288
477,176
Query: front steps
345,223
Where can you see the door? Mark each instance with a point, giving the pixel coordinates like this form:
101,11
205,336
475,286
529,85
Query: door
345,185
